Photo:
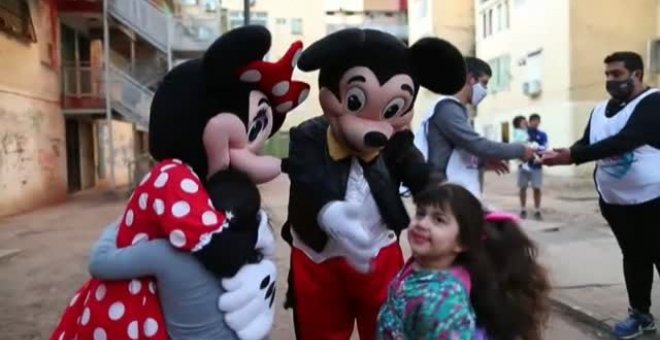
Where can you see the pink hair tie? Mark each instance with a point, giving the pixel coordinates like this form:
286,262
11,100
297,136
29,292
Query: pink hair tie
497,217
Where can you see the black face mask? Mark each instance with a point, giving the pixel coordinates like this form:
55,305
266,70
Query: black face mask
620,89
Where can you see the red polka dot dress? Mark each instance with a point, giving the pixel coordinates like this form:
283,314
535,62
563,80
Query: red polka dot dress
171,203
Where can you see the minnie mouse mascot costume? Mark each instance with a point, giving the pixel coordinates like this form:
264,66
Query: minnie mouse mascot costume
209,119
345,213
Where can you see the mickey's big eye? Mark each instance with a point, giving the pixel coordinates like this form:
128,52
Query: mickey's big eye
394,107
355,99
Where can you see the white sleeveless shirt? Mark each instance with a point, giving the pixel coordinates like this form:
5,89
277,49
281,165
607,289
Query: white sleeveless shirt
630,178
462,166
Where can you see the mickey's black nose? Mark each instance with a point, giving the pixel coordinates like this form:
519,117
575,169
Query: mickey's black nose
375,139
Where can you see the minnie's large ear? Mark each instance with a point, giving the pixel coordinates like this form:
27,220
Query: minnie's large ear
439,66
234,50
329,48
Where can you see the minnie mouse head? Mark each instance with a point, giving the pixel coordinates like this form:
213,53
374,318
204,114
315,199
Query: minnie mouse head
217,112
369,81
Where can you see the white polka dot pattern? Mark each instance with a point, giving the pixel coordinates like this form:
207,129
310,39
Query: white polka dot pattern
180,209
150,327
178,238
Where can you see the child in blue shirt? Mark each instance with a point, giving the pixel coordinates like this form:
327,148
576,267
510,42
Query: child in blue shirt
472,275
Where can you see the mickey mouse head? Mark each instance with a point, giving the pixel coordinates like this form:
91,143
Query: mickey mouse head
369,81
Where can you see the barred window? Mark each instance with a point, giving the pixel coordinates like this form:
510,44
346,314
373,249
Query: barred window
15,19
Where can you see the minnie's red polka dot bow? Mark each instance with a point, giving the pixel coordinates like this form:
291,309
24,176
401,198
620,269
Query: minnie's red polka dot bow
274,80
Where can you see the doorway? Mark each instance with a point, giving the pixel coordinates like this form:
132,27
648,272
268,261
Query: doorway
72,155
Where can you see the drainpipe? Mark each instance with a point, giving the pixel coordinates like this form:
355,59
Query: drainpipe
108,83
246,12
170,33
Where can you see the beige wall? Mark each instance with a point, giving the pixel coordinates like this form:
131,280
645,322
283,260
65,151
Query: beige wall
123,147
32,149
313,29
600,27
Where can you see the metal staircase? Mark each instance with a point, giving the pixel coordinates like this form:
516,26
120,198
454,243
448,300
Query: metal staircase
132,97
128,96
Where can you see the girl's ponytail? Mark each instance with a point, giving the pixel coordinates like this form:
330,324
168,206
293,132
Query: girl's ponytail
522,284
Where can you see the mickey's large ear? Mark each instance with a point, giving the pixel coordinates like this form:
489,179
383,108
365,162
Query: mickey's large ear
335,45
234,50
438,65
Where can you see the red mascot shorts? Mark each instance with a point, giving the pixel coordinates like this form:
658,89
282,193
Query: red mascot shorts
329,296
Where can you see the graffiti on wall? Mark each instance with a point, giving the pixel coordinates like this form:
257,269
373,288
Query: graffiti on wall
26,147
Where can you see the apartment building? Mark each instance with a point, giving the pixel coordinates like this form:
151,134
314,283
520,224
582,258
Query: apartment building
452,20
32,144
69,119
547,57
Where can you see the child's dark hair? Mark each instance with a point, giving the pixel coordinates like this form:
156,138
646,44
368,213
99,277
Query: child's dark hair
509,288
517,121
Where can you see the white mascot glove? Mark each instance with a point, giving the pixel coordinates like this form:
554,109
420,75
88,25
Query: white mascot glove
265,239
248,300
341,220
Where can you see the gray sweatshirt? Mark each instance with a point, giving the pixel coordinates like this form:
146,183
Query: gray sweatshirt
449,128
188,292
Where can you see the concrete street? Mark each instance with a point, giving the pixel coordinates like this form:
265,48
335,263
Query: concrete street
43,256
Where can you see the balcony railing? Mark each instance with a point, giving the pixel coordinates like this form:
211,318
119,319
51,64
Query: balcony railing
82,81
83,88
145,18
129,97
193,33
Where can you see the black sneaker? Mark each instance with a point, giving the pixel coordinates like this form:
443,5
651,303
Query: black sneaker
523,214
537,216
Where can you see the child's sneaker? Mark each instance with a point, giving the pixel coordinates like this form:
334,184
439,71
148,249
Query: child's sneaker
635,325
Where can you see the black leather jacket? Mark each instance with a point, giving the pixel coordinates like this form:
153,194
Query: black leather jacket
317,179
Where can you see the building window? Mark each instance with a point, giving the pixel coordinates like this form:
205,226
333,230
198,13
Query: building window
484,25
422,8
489,26
256,18
497,21
15,19
280,21
501,79
296,26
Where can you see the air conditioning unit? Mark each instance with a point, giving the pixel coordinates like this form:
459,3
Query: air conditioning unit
532,88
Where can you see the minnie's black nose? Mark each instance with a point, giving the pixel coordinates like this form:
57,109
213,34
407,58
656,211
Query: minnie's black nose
375,139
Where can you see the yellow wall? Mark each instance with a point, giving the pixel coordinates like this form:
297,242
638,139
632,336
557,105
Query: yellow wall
32,149
313,29
600,27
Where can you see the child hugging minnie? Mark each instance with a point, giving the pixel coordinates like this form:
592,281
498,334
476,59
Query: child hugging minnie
472,275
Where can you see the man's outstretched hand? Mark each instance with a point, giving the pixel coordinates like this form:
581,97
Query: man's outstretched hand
560,156
499,166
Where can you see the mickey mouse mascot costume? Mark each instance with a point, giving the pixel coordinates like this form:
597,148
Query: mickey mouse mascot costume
209,118
345,213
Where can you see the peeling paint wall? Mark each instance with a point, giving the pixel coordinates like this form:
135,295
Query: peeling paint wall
32,154
32,147
124,152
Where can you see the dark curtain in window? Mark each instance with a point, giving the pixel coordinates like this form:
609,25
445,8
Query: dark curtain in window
15,19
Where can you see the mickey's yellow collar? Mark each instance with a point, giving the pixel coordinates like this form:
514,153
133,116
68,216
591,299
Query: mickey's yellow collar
339,151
